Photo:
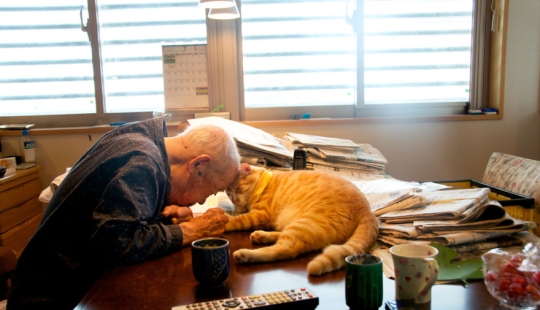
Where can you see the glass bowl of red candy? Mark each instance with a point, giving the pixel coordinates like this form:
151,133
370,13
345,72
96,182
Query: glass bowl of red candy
513,277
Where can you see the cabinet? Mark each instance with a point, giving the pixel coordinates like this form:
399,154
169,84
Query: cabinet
20,208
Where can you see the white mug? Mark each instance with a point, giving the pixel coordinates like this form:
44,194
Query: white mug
416,271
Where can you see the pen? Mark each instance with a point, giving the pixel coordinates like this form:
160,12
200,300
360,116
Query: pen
117,123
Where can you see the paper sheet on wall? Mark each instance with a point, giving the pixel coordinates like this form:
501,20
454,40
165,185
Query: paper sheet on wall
185,77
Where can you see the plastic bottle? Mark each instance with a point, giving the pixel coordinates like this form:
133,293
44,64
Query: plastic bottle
28,151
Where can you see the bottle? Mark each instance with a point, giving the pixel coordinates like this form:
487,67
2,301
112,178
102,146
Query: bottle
28,151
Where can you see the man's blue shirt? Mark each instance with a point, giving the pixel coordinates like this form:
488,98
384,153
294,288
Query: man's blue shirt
106,212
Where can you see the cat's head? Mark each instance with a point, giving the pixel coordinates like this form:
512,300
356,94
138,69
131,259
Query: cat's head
241,188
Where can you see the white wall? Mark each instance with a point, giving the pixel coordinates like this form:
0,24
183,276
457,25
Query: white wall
415,151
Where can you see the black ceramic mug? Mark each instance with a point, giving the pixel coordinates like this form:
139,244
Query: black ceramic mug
210,261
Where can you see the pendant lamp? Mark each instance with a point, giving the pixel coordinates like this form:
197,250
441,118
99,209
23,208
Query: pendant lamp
224,13
216,4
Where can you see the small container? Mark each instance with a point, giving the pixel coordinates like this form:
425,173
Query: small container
513,277
28,151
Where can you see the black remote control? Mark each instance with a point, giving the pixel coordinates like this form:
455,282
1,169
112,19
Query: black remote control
294,299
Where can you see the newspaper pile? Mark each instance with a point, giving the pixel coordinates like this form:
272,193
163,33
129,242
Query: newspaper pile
463,219
342,155
333,155
255,146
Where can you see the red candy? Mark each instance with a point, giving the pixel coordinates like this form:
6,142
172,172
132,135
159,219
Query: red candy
509,270
516,260
536,278
507,282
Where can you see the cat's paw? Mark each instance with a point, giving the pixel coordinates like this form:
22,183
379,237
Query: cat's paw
242,256
258,236
263,237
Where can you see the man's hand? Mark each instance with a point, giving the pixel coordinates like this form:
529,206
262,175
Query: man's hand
178,214
210,224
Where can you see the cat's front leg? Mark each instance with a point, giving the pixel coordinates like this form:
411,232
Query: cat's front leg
247,221
264,237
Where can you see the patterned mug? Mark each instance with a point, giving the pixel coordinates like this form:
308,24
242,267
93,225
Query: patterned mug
210,261
416,271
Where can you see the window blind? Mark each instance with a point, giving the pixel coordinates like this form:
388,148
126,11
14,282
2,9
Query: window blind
131,35
297,53
45,59
46,65
368,53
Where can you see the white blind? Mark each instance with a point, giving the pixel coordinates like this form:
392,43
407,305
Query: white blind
297,53
417,51
131,37
46,60
372,52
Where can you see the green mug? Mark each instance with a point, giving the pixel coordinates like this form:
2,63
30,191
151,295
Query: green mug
363,281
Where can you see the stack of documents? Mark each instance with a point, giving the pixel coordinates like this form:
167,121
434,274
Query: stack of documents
255,146
461,218
333,155
339,154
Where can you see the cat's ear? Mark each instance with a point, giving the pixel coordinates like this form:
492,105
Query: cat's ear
245,169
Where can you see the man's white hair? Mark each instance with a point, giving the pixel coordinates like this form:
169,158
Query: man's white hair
214,141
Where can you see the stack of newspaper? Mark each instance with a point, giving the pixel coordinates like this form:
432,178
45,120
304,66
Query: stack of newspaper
463,219
325,153
333,155
255,146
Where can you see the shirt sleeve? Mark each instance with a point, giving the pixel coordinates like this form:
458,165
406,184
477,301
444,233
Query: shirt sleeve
126,227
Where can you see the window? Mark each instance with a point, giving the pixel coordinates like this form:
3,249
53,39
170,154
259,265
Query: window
132,34
298,53
329,58
47,68
46,61
358,58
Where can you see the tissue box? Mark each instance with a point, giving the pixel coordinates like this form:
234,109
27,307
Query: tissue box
10,163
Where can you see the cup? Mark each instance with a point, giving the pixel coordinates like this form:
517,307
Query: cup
10,164
363,281
210,261
416,271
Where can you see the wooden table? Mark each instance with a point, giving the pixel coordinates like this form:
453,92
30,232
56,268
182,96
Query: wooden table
167,282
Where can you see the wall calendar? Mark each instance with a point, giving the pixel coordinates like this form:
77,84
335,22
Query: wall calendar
185,76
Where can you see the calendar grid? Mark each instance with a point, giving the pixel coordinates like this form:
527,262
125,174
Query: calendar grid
185,76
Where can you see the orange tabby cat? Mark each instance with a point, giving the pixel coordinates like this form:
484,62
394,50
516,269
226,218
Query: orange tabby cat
300,211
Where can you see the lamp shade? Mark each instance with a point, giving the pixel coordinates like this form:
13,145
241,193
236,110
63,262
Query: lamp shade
224,13
216,4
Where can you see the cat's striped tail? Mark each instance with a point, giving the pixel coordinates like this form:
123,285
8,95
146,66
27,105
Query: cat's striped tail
333,256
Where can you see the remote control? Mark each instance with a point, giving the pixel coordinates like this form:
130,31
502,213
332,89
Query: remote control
294,299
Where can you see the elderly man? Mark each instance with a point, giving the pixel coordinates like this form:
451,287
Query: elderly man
124,202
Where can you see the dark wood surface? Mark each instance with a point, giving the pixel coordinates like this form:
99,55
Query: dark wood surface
167,282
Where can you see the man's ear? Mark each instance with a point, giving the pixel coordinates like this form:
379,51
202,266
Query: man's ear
195,163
